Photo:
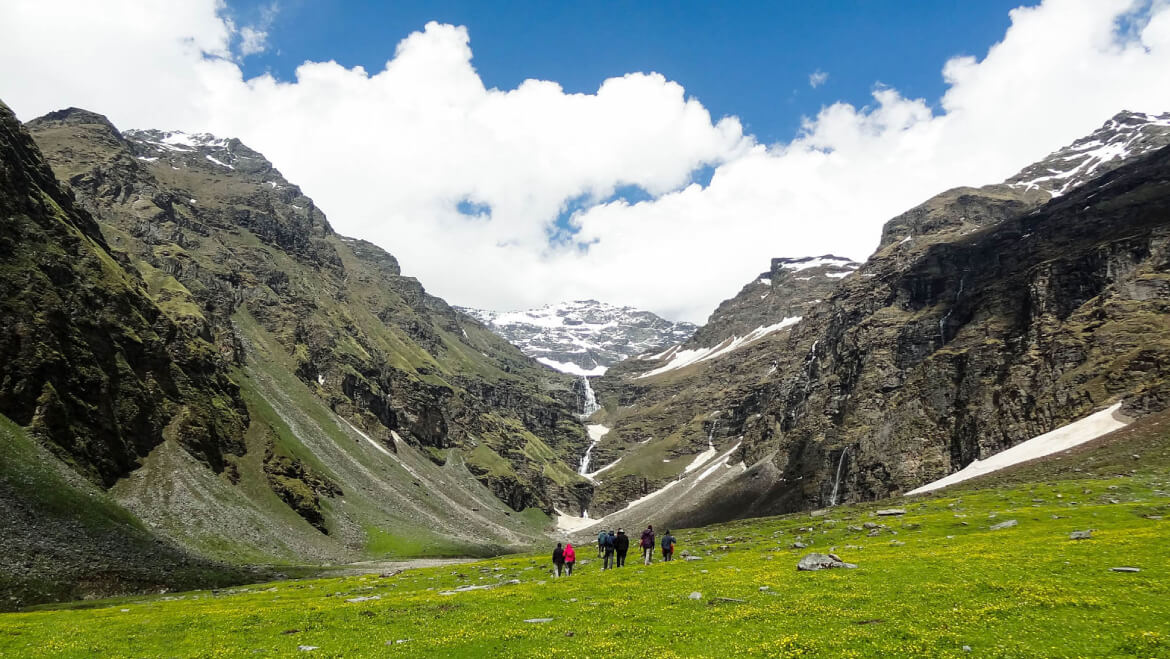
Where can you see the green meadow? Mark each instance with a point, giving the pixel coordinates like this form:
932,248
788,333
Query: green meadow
937,580
929,583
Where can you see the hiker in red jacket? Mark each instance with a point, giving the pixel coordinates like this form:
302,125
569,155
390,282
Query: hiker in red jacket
570,558
647,544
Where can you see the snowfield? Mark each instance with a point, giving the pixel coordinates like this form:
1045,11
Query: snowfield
1061,439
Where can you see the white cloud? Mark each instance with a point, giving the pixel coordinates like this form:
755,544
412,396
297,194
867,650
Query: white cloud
817,78
252,41
389,155
254,38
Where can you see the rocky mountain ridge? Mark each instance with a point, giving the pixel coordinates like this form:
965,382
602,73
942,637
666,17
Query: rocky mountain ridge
583,337
987,316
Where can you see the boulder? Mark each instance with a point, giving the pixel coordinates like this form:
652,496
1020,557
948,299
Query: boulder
1004,525
816,561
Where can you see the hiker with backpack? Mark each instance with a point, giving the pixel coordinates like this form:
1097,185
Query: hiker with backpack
609,551
667,546
621,544
647,544
570,558
558,560
601,543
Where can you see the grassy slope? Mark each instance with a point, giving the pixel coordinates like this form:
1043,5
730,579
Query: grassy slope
1022,591
381,514
84,544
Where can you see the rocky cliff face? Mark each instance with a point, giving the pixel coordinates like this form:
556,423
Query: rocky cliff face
788,289
936,356
325,405
93,366
583,337
986,317
96,378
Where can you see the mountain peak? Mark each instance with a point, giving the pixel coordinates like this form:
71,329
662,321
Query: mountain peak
781,264
1124,136
583,337
73,115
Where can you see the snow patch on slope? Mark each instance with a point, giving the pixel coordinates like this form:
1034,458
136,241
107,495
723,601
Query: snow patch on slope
1061,439
683,358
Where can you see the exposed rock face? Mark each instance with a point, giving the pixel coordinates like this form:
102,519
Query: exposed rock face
91,363
987,316
789,289
99,377
935,357
583,337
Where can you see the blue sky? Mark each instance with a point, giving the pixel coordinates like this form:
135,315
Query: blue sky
475,144
748,59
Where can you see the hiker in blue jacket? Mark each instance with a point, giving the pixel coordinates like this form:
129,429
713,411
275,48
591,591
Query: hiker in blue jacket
601,543
667,546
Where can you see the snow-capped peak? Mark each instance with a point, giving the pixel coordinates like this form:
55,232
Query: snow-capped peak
807,262
1126,136
583,337
179,149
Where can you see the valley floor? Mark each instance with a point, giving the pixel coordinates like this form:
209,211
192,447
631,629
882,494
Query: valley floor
934,581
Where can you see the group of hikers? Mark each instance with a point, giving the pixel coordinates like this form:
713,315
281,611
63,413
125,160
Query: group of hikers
612,548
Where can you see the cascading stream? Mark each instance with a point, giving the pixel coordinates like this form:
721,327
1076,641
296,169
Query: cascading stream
837,480
589,403
596,432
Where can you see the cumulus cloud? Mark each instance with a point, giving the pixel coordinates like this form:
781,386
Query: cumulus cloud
817,78
252,41
465,184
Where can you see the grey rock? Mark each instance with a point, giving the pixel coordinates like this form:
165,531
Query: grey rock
307,648
1004,525
799,545
1125,569
816,561
870,525
696,595
1080,535
539,620
886,512
694,558
364,599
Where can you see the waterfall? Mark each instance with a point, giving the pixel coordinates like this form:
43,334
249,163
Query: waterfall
584,466
942,322
711,435
596,431
589,403
837,480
